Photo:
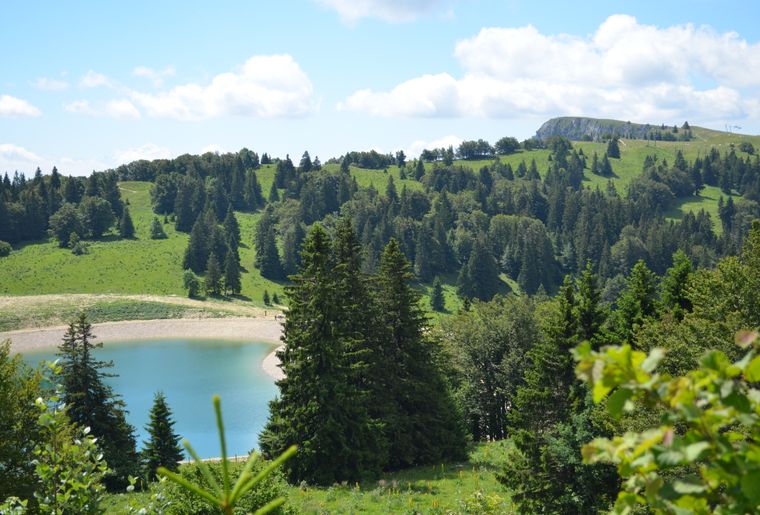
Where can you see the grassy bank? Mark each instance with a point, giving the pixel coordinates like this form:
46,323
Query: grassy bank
37,311
451,488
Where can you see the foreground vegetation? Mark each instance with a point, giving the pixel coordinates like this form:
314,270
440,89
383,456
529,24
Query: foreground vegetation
467,487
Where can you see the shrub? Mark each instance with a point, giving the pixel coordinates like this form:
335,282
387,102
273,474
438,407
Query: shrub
703,457
157,230
179,501
77,246
5,248
191,283
211,488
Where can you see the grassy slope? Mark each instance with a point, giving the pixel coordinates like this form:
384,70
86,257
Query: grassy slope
144,266
140,266
440,489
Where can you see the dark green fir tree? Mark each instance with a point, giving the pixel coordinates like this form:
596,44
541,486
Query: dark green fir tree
232,274
162,449
319,407
213,279
126,227
421,423
92,403
437,302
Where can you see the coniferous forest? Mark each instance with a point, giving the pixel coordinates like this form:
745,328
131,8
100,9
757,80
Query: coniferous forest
551,276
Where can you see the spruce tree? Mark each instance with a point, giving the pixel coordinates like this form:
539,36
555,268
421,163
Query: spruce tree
252,192
232,273
266,299
423,255
92,403
589,312
637,302
606,167
162,449
291,248
421,423
157,230
274,194
673,287
552,418
213,279
437,302
126,227
319,406
231,228
196,253
479,278
267,258
613,149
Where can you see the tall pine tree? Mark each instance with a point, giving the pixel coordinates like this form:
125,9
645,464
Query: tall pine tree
232,273
317,407
162,449
421,422
92,403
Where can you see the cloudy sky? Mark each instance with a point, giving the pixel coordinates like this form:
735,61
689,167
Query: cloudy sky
89,85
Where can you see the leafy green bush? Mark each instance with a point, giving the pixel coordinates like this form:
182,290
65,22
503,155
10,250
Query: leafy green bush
704,456
5,248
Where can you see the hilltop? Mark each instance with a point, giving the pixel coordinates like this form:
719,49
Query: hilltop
580,128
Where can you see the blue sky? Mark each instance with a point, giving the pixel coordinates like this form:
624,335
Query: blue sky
88,85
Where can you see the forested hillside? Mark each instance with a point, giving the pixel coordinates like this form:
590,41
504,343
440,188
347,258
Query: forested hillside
622,256
483,218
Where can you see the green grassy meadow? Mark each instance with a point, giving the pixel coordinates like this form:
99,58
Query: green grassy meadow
453,488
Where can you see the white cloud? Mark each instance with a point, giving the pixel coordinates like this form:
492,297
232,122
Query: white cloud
93,79
148,151
155,76
80,107
265,86
12,106
416,147
47,84
11,152
624,70
389,10
120,109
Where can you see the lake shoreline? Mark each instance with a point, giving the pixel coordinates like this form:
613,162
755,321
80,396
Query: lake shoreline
268,330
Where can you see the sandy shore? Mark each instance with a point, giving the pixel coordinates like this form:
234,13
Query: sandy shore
259,329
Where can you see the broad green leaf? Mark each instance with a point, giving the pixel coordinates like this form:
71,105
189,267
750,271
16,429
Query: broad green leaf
617,400
600,391
670,458
752,373
693,451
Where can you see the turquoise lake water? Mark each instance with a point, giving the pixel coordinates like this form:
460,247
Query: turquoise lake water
189,372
